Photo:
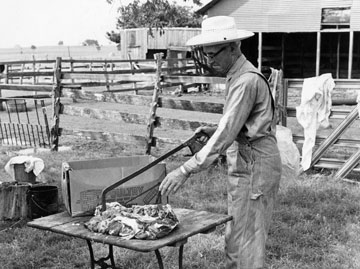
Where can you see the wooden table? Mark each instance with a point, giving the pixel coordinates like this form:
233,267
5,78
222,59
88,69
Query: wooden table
191,222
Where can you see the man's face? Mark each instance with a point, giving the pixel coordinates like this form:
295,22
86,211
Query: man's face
218,57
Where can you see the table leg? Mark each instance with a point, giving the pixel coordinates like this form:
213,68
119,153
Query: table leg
181,251
159,259
102,261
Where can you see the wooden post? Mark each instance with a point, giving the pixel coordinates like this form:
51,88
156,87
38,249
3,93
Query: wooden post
351,46
112,69
34,69
132,67
106,79
260,51
338,55
318,46
6,73
282,51
71,69
154,103
55,130
22,70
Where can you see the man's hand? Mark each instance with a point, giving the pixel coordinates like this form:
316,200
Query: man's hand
207,130
172,182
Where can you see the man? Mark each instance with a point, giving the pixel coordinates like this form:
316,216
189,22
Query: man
246,132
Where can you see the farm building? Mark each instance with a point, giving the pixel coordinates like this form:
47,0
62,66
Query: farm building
302,37
139,43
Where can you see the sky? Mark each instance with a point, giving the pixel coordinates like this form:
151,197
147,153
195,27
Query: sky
46,22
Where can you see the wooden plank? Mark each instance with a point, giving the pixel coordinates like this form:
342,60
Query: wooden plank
13,201
152,121
127,77
55,128
120,138
319,139
318,52
191,105
30,74
106,114
194,79
351,51
330,163
35,88
339,83
19,62
348,166
336,113
108,60
191,223
119,71
141,119
93,84
334,136
163,102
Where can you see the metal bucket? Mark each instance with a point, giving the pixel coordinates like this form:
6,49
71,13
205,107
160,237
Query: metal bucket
43,201
21,175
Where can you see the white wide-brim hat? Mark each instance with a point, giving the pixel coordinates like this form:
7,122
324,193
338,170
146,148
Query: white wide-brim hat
218,30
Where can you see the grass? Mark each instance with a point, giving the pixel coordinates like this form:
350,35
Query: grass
316,221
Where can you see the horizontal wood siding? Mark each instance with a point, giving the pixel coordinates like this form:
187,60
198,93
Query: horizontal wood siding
133,43
337,3
272,16
355,16
172,37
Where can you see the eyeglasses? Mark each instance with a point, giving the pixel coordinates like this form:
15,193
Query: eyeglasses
213,55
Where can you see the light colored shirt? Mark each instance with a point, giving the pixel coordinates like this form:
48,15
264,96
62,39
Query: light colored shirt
248,109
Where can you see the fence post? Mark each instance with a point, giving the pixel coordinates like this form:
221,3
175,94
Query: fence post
132,68
153,120
6,73
72,69
106,76
34,69
55,130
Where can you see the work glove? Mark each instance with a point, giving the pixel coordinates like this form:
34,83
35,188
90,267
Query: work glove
173,181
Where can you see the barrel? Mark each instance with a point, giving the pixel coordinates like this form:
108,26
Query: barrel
43,201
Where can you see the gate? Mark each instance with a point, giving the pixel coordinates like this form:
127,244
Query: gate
23,122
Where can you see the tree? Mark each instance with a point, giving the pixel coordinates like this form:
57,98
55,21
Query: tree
33,47
153,14
91,42
60,43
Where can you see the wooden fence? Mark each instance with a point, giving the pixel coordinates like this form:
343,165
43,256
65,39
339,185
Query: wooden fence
49,79
153,77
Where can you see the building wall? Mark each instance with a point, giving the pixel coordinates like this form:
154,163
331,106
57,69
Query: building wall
272,16
136,42
133,43
355,16
283,15
337,3
172,37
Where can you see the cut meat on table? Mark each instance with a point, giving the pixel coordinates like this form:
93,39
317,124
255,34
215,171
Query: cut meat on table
138,221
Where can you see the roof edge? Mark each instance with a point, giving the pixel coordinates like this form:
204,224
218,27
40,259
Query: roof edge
205,8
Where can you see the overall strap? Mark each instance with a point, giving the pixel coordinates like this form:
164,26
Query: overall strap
271,96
